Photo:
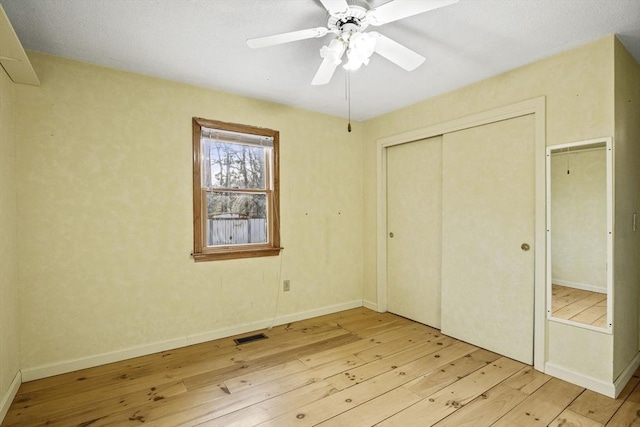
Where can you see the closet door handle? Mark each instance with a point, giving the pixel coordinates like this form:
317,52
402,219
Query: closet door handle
525,247
391,235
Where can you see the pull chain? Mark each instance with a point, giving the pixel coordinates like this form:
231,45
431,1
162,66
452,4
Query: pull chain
349,99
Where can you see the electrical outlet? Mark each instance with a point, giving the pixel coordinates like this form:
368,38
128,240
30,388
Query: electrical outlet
286,285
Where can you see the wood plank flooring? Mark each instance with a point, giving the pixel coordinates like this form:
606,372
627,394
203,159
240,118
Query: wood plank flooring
579,305
354,368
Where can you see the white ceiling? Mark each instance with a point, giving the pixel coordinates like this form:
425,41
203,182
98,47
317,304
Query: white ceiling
202,42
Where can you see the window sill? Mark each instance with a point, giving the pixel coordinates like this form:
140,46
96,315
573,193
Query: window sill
222,254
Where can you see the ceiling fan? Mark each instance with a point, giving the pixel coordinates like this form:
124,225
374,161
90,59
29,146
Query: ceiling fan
348,22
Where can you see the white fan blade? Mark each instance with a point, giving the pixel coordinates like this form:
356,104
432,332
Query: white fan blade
324,73
400,55
287,37
336,7
332,54
399,9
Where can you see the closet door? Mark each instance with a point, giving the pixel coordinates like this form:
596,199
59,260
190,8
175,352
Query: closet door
414,207
488,236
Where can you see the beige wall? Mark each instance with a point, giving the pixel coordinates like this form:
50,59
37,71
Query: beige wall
578,86
9,345
627,195
105,205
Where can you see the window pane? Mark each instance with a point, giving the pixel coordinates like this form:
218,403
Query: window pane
228,165
236,218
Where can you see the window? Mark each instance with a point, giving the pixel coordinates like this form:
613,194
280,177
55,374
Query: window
235,191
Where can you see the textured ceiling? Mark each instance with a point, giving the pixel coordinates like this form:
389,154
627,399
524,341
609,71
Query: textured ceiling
202,42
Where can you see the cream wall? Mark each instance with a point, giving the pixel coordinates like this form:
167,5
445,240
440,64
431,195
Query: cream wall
579,219
626,290
9,345
105,206
579,87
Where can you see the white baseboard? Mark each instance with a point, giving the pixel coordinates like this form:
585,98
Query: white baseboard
7,399
626,374
612,390
582,286
370,305
48,370
593,384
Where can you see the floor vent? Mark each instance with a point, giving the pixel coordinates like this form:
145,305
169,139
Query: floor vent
251,338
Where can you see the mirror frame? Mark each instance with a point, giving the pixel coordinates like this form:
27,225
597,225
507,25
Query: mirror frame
608,144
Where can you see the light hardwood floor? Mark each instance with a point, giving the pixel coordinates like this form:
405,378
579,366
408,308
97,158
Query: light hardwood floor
354,368
580,306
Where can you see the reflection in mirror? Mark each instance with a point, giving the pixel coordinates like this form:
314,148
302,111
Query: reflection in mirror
579,226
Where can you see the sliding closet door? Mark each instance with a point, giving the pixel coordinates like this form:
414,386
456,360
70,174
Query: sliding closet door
414,208
488,236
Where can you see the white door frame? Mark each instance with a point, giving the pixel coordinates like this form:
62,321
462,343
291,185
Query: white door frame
535,106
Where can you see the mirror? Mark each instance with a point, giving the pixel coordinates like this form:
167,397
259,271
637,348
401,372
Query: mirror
579,233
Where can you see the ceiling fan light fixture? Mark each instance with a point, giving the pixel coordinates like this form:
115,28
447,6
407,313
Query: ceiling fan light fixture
361,47
355,60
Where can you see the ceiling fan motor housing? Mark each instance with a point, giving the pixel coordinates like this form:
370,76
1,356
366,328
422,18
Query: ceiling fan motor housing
354,20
